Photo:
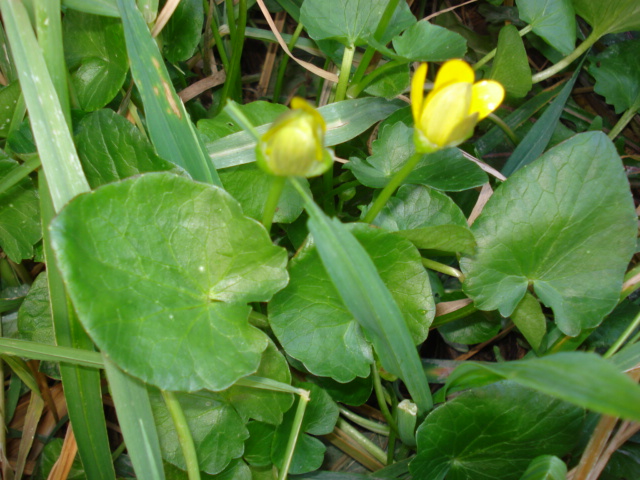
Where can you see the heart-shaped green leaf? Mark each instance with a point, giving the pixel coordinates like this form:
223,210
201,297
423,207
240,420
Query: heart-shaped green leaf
553,20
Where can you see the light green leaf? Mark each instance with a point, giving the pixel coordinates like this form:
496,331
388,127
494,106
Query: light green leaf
546,467
425,42
8,100
183,31
111,149
96,7
175,263
584,379
511,65
475,328
19,215
351,22
530,320
218,431
314,325
427,218
257,448
445,170
565,225
96,55
612,16
392,83
617,74
553,20
493,432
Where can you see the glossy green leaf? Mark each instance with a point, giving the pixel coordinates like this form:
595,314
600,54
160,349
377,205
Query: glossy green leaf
96,55
111,149
625,461
19,215
584,379
183,31
493,432
565,225
263,405
617,74
530,320
545,467
345,120
314,325
553,20
176,262
390,84
217,429
8,100
171,131
235,181
445,170
613,16
511,65
257,448
475,328
368,299
428,218
426,42
353,393
51,454
351,22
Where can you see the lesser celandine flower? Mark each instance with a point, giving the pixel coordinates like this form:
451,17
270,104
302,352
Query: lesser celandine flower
294,145
449,113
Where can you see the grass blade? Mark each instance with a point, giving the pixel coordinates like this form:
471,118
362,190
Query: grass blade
96,7
50,353
368,299
170,128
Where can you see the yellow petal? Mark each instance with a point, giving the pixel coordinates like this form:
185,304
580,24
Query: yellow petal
298,103
417,91
453,71
485,98
444,112
462,131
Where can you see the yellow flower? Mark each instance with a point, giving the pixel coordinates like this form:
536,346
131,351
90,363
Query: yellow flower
449,113
294,145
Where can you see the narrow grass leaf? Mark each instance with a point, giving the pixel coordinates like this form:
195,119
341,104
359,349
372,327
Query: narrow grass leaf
369,300
97,7
170,128
32,418
50,353
135,417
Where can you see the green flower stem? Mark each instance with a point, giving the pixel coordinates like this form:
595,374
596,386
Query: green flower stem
387,15
382,402
625,118
232,87
295,432
218,39
442,268
345,72
566,61
480,63
504,127
623,338
407,413
456,315
370,425
235,113
277,186
363,441
391,447
391,187
18,173
184,434
277,89
357,88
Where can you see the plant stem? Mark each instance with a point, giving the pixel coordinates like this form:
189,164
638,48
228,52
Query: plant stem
442,268
391,447
377,35
345,72
382,402
359,87
391,187
625,335
566,61
184,434
504,127
277,89
456,315
232,86
218,39
277,186
234,112
626,117
480,63
363,441
295,432
370,425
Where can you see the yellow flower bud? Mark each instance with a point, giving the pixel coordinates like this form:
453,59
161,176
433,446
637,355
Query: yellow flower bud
449,113
294,145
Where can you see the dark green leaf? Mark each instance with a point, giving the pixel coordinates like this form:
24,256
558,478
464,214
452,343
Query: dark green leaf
50,456
111,149
353,393
553,20
425,42
546,467
565,225
391,84
315,326
617,74
613,16
475,328
445,170
8,100
257,448
95,53
175,262
182,32
511,65
493,432
577,377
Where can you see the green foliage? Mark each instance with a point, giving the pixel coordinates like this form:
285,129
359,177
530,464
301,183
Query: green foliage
553,20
